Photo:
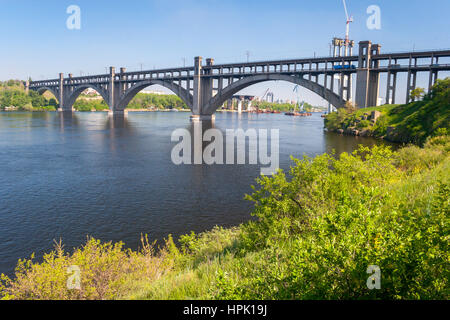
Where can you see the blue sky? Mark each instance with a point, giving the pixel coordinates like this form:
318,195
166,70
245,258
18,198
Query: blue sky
161,33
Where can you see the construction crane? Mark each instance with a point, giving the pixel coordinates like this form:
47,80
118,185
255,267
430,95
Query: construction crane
298,99
347,29
267,93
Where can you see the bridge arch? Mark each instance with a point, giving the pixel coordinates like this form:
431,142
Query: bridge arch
130,93
41,90
237,86
75,93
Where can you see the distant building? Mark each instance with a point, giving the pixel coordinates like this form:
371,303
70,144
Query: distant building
90,91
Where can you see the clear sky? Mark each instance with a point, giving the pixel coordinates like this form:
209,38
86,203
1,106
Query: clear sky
161,33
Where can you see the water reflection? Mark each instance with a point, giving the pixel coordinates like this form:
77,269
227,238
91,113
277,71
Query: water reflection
118,128
196,130
67,121
342,143
117,122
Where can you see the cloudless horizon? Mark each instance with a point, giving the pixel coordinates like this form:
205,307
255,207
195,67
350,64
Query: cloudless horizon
158,34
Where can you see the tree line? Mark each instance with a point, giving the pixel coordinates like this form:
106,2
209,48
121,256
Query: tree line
13,95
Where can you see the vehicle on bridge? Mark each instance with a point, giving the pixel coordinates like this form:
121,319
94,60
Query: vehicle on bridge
340,67
395,66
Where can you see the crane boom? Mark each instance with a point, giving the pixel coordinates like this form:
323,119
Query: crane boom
345,8
262,97
347,27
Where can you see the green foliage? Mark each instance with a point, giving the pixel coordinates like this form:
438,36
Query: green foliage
417,93
410,123
335,120
83,104
263,105
363,124
159,101
140,101
318,232
380,127
12,94
106,269
13,97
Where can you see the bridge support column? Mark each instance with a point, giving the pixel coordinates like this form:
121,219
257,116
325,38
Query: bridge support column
391,87
432,79
115,89
203,90
203,117
411,85
62,96
240,105
117,112
112,74
367,80
197,98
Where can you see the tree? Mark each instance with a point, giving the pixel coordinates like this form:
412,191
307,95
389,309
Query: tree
37,100
417,94
350,106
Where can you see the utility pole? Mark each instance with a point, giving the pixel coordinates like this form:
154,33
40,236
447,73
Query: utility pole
247,53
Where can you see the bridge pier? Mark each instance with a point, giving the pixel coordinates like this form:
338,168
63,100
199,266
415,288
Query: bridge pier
202,117
367,79
117,112
391,87
62,96
203,90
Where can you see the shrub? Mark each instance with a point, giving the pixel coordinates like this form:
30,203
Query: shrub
105,270
363,124
333,121
319,231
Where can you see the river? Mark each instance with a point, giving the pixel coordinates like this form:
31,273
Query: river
69,176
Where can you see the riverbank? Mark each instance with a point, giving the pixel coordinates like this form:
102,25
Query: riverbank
315,235
408,123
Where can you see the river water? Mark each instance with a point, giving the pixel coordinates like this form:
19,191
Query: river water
69,176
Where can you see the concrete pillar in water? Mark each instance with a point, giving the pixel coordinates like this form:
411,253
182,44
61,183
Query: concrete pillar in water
240,106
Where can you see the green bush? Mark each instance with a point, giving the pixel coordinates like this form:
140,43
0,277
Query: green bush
363,124
334,120
106,269
319,231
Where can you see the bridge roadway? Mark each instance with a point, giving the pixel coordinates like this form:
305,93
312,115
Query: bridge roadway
205,87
